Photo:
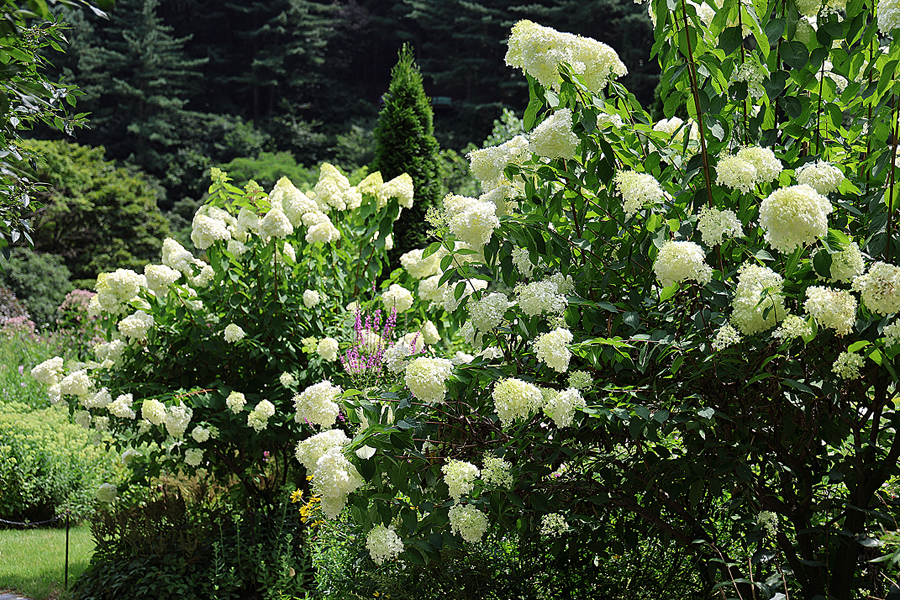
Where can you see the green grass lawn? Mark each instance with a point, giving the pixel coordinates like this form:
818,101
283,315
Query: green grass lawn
32,562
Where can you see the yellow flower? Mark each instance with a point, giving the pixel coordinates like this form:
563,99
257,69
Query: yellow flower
296,496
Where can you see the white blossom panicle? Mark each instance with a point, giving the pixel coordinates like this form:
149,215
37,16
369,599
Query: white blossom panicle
503,199
767,165
50,371
888,15
311,298
461,358
430,333
675,124
793,326
554,137
460,477
136,326
430,291
316,404
101,423
846,264
83,418
822,176
891,334
210,225
324,232
469,522
107,493
258,418
331,188
401,188
394,357
736,173
561,406
286,379
451,302
129,455
115,290
121,407
334,478
488,164
328,349
514,398
293,202
159,278
76,383
177,419
275,224
726,336
681,261
580,380
880,288
109,353
831,308
715,225
154,411
418,267
540,297
522,260
753,73
289,251
204,277
397,297
473,222
487,313
794,216
758,302
848,364
638,190
175,256
233,333
310,450
200,434
553,525
383,544
427,378
553,349
496,471
193,457
235,402
101,399
248,222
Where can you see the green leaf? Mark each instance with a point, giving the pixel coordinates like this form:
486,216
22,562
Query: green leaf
795,54
822,264
531,111
731,39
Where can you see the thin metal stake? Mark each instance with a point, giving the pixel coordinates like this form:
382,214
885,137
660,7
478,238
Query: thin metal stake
67,552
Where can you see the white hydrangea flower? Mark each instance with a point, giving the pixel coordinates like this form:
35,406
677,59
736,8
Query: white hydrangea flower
383,544
758,302
121,407
328,349
846,264
293,202
831,308
427,378
561,406
204,277
316,404
159,278
310,450
888,15
522,260
540,297
401,188
235,402
430,333
324,232
289,252
514,398
175,256
418,267
430,291
715,224
177,419
822,176
726,336
461,358
154,411
580,380
397,297
794,216
472,222
115,290
670,126
496,471
331,188
129,455
469,522
680,261
553,525
200,434
258,418
311,298
880,288
848,364
206,230
76,383
736,173
460,477
488,164
193,457
50,371
487,313
552,349
83,418
451,302
136,326
554,137
286,379
233,333
275,224
107,493
793,326
752,72
101,423
638,190
891,334
101,399
767,165
334,478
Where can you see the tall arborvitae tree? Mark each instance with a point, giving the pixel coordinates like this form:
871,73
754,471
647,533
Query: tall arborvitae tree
405,143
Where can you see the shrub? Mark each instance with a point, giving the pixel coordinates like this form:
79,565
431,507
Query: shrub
40,281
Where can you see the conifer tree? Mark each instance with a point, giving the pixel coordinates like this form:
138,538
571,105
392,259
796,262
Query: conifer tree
405,143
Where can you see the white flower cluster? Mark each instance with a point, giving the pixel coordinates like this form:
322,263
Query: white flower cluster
310,450
888,16
638,190
680,261
115,290
420,268
101,399
334,478
136,326
675,124
121,406
471,220
514,398
159,278
497,471
174,256
794,216
258,418
539,51
50,371
107,492
726,336
758,302
469,522
235,402
311,298
793,326
541,297
430,333
177,419
487,313
831,308
735,173
154,411
846,264
553,525
880,288
316,404
488,164
891,334
451,302
397,297
522,260
275,224
76,383
328,349
193,457
233,333
383,544
552,349
848,364
561,406
554,137
822,176
401,188
754,74
427,378
200,434
715,224
580,380
460,477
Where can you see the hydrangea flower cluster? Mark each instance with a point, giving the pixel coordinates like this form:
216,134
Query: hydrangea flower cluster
334,478
726,336
177,420
848,364
136,326
580,380
311,298
327,348
107,493
541,297
427,378
680,261
735,173
310,450
675,124
258,418
758,303
754,74
880,288
831,308
50,371
316,404
715,224
193,457
471,220
233,333
553,525
487,312
846,264
554,137
638,190
888,16
383,544
419,267
121,407
469,522
793,326
159,278
561,406
891,334
397,298
794,216
496,471
460,477
522,260
235,402
76,383
200,434
514,398
154,411
822,176
552,349
488,164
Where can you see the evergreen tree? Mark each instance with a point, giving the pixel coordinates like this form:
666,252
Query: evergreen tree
405,143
